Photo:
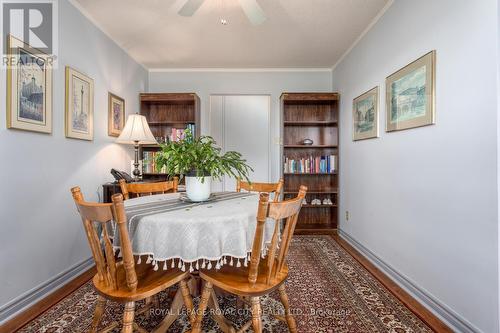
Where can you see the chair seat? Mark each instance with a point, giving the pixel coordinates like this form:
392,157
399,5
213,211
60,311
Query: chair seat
235,279
150,282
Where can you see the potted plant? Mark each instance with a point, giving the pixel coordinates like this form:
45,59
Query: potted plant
200,160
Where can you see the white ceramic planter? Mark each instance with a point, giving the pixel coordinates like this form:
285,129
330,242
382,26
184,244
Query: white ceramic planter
197,190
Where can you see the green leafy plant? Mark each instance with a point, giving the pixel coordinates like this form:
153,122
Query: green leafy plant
200,157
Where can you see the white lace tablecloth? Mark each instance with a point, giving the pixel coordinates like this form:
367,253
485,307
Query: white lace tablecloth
195,236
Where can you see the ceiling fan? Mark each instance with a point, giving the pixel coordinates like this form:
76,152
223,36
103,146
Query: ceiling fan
251,8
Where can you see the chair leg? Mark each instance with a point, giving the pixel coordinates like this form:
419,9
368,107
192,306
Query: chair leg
156,301
205,296
128,317
289,318
147,306
188,301
99,311
256,315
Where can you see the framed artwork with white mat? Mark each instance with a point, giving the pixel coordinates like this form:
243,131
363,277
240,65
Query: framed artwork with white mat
29,88
116,114
79,111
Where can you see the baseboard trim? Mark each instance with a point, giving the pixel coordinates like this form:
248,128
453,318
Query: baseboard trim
451,318
28,299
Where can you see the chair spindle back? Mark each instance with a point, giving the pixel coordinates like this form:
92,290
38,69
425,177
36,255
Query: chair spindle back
140,189
95,215
275,188
287,210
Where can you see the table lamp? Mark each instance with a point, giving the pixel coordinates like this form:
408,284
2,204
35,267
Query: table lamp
136,132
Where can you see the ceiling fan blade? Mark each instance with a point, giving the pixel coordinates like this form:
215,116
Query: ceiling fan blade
253,11
190,7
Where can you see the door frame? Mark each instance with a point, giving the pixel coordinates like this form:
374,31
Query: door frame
269,130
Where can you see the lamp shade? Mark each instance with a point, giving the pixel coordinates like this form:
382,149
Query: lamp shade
136,130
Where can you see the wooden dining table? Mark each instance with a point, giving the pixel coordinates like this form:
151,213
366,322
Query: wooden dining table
169,232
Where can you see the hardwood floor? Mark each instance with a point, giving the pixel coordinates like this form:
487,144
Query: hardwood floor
419,310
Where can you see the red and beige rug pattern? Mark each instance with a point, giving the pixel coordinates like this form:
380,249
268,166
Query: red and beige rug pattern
329,291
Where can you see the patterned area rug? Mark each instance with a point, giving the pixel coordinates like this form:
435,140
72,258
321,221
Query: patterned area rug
329,291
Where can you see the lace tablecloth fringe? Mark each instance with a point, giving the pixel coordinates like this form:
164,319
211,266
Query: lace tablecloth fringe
198,264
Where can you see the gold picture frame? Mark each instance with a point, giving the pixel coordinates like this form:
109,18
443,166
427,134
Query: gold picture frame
79,105
365,123
410,95
29,88
116,114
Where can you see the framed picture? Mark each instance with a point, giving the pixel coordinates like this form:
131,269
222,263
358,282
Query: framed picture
365,115
410,95
29,88
116,114
79,112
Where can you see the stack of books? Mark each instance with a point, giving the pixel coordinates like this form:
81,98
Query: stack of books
312,165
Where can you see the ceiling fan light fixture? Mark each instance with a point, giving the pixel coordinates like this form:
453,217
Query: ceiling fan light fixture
251,8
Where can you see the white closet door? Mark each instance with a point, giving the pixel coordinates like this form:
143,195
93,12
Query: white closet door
216,120
242,123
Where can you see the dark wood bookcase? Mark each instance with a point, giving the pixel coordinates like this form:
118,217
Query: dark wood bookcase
165,111
312,116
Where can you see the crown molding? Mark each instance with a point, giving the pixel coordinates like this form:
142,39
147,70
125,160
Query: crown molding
235,70
367,29
89,17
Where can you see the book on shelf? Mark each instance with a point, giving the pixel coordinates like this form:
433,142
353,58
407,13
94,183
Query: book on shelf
178,134
311,164
148,162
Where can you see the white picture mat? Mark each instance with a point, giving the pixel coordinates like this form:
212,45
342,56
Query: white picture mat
72,76
13,84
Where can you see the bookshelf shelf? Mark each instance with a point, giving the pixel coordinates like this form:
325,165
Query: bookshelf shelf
309,174
310,123
314,192
312,116
165,111
310,146
174,122
319,206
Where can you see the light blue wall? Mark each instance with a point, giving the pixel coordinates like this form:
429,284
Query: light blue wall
425,200
41,233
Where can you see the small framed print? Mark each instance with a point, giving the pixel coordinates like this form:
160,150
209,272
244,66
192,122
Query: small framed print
365,115
79,112
116,114
29,88
410,95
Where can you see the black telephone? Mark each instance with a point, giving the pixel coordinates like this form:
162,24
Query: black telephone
121,175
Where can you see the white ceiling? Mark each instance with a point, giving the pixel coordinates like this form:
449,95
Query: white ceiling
296,34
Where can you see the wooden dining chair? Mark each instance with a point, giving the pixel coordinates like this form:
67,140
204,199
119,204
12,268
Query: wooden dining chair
261,277
121,280
275,188
141,189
